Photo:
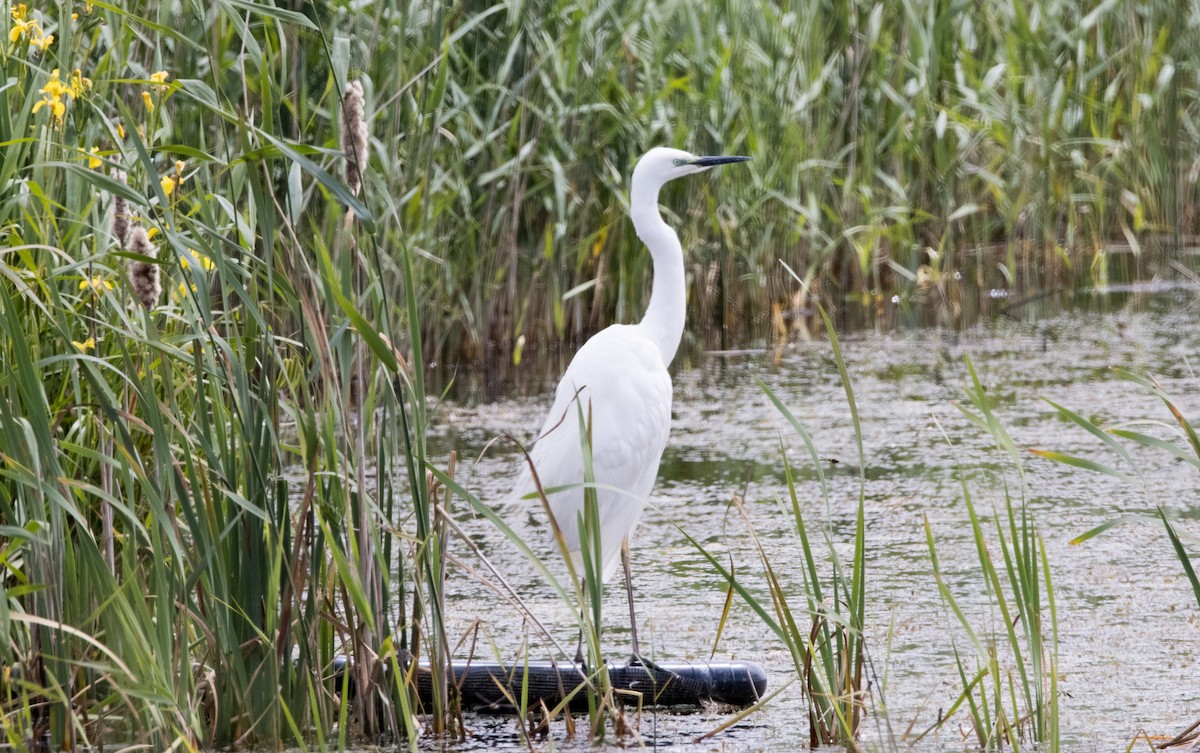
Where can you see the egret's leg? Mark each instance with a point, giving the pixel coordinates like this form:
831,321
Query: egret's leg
637,654
637,659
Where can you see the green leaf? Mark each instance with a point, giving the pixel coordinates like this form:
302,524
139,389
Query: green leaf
1181,553
1090,465
270,11
1094,532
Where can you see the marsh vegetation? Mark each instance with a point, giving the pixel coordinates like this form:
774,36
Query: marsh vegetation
229,314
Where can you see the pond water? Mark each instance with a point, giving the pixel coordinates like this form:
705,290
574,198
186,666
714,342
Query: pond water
1129,649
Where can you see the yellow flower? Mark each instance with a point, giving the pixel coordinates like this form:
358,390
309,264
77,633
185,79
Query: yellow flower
181,292
96,283
55,87
160,79
23,26
79,83
170,182
205,263
148,101
56,106
54,91
120,130
30,28
94,161
85,346
151,233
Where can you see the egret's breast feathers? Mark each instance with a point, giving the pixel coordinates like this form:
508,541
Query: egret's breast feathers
618,378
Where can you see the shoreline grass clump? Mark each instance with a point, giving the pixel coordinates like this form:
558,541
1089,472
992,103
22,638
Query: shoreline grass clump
1181,443
898,144
1009,684
825,636
1184,433
193,539
893,142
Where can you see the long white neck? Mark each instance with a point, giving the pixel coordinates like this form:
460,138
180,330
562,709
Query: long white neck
665,316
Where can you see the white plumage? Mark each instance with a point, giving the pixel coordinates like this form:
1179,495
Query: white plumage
621,374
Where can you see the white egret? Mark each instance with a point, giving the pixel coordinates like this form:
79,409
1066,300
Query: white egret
619,377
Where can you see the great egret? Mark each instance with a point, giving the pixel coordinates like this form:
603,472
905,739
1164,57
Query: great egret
619,377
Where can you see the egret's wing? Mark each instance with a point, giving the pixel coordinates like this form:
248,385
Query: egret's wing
619,379
555,453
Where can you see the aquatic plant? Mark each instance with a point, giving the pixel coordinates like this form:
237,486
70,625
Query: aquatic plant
1191,455
191,541
205,508
1009,145
1009,684
824,636
1182,443
355,135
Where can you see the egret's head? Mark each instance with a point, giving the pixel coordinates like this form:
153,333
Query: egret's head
662,164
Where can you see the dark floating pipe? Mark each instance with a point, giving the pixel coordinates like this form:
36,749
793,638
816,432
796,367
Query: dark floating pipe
669,684
663,685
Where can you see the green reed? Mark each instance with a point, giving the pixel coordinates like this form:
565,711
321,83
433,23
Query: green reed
887,136
584,595
192,538
824,636
1137,433
191,535
1009,682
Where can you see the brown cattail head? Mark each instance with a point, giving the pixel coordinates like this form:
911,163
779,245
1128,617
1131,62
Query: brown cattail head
355,135
120,215
143,276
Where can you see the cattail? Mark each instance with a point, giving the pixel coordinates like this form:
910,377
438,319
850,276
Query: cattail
354,135
144,275
120,214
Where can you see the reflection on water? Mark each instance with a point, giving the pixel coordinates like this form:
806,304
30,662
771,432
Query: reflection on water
1129,649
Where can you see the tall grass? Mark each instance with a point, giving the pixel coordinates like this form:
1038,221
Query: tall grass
1008,143
1010,683
1137,434
198,495
207,500
1176,439
824,636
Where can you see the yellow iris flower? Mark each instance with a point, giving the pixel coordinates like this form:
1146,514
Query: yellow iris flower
96,283
53,92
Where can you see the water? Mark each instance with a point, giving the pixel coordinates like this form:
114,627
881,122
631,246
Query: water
1129,644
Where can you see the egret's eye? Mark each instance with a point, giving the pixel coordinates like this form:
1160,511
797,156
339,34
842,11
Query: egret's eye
680,162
